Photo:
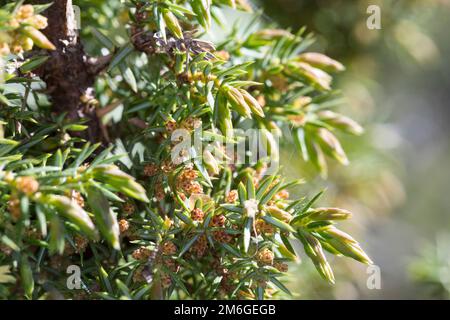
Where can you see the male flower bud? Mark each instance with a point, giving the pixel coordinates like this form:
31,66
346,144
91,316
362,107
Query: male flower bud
314,250
321,61
72,211
197,214
171,126
318,78
283,194
265,256
218,221
202,8
224,114
118,179
238,102
38,21
272,34
141,254
254,105
38,37
323,214
150,170
301,102
345,244
232,196
211,163
282,267
124,225
331,145
264,227
340,122
222,55
222,236
27,185
26,43
169,248
24,12
172,23
278,213
81,243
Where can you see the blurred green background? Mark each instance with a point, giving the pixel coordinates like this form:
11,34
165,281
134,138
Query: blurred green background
397,84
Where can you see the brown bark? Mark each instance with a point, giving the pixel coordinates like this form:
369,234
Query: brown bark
69,73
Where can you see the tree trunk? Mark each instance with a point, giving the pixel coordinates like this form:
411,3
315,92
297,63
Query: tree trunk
69,73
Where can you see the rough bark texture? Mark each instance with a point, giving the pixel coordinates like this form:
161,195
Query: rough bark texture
69,73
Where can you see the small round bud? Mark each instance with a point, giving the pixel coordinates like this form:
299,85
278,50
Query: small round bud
129,208
26,11
189,174
232,196
222,236
200,246
218,221
169,248
171,126
265,256
150,170
27,185
282,267
80,243
123,226
192,123
222,55
195,188
283,194
264,227
141,254
167,166
197,214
